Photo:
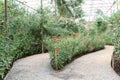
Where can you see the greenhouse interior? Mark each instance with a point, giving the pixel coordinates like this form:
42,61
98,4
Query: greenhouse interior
59,39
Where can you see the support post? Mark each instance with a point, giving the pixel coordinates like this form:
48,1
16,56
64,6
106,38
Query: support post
5,20
41,24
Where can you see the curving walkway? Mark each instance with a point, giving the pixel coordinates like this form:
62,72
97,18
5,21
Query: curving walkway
94,66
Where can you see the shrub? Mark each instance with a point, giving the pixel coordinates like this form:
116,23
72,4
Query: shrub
108,37
60,26
61,52
114,19
117,42
13,50
51,31
72,26
101,24
104,28
23,40
7,55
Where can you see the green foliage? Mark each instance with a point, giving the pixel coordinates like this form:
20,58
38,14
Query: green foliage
76,7
101,24
7,55
117,42
26,29
62,51
104,28
72,26
51,31
108,36
1,9
23,38
61,26
115,20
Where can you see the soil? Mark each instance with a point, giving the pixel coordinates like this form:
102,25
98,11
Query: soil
1,78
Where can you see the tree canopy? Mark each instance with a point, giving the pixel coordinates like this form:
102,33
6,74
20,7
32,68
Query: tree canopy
68,8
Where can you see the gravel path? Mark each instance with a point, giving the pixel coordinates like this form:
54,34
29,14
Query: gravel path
94,66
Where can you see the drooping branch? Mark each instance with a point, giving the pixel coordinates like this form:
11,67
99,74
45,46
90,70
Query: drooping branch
64,2
68,8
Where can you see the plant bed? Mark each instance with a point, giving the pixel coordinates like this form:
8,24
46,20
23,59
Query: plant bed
64,51
116,54
115,63
7,58
77,55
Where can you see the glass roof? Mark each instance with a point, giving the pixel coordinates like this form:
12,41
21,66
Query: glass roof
89,6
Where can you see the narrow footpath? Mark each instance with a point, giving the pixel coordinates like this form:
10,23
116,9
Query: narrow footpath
94,66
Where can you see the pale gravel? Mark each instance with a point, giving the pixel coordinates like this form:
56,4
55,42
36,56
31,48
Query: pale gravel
94,66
